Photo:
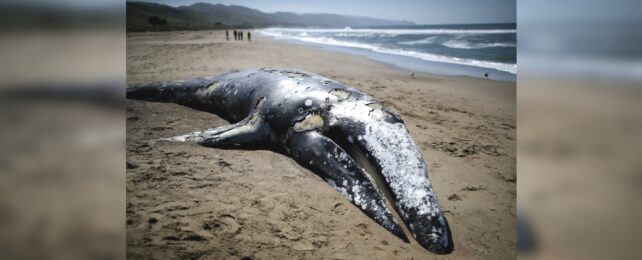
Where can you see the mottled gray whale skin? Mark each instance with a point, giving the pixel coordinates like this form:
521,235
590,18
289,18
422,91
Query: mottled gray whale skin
341,134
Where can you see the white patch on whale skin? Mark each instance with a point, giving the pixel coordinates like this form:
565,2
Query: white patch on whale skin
404,169
310,122
308,102
288,85
377,114
340,93
343,156
401,163
356,190
341,190
205,93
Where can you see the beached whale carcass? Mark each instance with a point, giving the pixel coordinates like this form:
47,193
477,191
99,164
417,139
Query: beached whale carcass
354,143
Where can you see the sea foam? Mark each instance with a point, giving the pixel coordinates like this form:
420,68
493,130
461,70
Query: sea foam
287,34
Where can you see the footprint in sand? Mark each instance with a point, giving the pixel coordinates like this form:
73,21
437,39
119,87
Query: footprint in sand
454,197
362,229
160,128
225,225
340,209
185,236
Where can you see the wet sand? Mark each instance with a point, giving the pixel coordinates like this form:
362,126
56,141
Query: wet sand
186,201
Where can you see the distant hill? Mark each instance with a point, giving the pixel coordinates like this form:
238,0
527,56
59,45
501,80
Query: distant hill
143,16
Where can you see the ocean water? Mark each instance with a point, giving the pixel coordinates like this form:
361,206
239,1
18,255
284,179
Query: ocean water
473,49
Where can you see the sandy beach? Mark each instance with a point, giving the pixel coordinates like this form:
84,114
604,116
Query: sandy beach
185,201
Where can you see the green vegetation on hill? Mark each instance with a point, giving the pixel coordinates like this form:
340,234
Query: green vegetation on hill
143,16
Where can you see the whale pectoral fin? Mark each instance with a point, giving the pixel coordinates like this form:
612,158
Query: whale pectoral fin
327,159
198,136
250,131
186,138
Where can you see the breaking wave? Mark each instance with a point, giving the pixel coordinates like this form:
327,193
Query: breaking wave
458,44
507,67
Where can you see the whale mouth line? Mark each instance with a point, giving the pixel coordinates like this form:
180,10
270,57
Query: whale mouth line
375,177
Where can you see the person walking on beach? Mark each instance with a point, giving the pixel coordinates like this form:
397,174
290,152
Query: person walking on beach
235,37
227,35
241,35
249,37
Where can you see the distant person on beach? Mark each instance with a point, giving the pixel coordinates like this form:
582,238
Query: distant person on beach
227,35
249,37
241,35
235,35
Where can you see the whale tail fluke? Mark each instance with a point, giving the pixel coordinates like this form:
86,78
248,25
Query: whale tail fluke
151,92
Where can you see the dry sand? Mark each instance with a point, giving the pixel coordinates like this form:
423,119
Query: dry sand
186,201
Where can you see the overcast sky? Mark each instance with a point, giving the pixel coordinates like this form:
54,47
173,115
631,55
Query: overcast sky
418,11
